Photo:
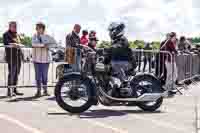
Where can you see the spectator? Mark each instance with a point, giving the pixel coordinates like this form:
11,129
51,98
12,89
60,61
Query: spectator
170,46
184,45
147,57
92,40
92,34
41,57
139,56
161,70
73,41
13,57
84,39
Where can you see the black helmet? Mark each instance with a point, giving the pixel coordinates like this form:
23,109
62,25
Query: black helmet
116,30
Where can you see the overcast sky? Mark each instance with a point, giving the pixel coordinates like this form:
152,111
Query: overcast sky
145,19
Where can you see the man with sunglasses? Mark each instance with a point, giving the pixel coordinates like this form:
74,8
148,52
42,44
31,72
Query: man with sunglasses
14,57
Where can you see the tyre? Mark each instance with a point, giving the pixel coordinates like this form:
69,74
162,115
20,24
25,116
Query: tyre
76,89
147,84
151,106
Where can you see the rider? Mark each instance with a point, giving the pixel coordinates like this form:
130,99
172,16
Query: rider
120,54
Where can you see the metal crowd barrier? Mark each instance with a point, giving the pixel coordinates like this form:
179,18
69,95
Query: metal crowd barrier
188,66
148,61
26,77
153,62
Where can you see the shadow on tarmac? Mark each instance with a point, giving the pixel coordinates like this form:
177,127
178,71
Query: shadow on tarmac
32,98
104,113
3,97
51,98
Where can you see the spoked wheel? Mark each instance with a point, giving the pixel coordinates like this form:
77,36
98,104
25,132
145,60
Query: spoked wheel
148,84
73,95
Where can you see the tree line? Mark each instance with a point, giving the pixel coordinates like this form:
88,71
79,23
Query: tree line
132,44
26,40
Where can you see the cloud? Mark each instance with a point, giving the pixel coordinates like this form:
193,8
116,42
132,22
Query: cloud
144,19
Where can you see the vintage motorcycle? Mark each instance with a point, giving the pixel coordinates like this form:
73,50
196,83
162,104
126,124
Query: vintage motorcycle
76,92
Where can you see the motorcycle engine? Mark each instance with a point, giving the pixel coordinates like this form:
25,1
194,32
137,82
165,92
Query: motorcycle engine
124,90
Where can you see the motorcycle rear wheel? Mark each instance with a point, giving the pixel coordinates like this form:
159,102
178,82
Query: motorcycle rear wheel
148,84
150,106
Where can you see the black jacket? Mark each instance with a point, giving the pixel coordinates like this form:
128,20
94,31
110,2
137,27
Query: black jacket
120,49
72,40
13,55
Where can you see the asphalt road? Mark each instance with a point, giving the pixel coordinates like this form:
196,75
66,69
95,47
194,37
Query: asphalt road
27,115
43,115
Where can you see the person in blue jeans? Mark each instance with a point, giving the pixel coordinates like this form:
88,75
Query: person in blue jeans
41,58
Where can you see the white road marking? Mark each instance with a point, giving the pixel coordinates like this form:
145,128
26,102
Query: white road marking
19,123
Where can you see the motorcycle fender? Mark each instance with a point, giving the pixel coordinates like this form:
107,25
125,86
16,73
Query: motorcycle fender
62,69
149,76
72,75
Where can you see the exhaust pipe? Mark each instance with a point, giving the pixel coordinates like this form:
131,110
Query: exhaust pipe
148,97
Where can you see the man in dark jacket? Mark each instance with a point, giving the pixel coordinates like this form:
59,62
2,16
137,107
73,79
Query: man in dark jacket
13,57
73,41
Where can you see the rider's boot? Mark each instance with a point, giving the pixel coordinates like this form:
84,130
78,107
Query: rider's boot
116,91
94,100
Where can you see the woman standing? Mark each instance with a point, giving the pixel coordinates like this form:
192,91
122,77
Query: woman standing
41,58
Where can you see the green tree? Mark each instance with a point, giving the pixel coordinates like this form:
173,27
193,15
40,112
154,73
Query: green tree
132,44
195,40
1,39
155,44
139,43
104,44
26,40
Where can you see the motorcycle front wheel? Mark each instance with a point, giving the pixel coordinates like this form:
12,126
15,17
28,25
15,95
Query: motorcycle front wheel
73,95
